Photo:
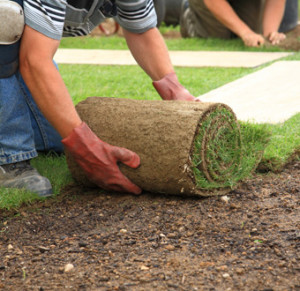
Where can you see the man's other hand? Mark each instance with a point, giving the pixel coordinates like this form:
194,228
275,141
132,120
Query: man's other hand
169,88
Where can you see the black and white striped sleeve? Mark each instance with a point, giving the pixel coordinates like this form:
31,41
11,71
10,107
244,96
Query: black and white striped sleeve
46,16
136,15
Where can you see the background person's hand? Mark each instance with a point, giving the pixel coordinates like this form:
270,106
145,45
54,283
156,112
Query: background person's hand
276,37
253,39
99,160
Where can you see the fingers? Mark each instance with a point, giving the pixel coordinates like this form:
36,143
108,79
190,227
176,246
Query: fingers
126,157
117,183
276,37
253,40
111,178
130,159
259,42
184,95
125,185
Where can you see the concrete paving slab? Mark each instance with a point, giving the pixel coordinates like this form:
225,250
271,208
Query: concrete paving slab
178,58
271,95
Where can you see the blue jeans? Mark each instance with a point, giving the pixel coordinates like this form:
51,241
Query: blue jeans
290,16
23,129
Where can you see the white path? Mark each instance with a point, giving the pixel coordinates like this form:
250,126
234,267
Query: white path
178,58
271,94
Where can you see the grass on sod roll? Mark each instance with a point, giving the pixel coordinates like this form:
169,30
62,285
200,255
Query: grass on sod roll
217,151
130,81
229,157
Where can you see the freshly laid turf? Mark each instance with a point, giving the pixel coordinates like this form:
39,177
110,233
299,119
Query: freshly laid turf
283,146
13,198
55,170
51,166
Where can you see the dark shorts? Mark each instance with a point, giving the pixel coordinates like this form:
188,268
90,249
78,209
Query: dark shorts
206,25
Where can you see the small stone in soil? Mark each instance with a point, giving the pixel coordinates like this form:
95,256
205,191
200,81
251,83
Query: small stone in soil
68,268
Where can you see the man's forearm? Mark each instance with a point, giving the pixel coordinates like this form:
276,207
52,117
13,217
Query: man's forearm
273,14
150,52
45,82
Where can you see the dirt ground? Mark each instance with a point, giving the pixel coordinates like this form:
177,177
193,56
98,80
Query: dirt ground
292,41
89,240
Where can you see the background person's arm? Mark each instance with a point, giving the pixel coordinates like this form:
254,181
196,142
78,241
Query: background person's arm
223,11
273,14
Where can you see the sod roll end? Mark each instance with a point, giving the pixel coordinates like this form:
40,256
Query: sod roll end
186,148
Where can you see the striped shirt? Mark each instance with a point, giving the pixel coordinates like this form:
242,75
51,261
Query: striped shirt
60,18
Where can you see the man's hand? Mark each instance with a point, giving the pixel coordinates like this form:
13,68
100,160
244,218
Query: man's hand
99,160
253,39
169,88
276,37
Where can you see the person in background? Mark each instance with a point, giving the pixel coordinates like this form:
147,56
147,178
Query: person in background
36,109
254,21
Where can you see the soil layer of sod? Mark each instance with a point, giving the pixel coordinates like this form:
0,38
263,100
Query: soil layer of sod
186,148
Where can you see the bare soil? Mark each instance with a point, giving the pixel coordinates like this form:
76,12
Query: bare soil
90,240
247,240
292,41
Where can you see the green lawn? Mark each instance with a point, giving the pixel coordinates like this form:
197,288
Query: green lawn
188,44
131,82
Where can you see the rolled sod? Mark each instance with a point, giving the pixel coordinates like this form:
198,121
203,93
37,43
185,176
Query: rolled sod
186,148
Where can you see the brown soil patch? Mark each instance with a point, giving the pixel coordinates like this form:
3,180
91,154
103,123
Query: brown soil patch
248,240
292,41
